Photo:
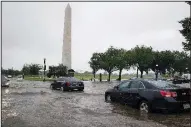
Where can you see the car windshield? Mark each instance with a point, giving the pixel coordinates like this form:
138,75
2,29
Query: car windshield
163,84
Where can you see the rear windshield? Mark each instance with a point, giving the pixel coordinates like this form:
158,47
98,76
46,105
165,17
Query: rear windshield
68,79
163,84
73,79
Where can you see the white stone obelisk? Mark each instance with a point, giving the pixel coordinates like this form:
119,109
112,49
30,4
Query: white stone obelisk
66,49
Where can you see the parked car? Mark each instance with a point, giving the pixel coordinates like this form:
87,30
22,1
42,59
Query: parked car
67,83
20,78
149,95
5,82
9,76
133,78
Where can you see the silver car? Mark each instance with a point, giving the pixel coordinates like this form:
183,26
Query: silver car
5,82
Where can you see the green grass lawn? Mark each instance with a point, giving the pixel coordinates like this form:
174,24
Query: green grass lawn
37,78
104,77
78,76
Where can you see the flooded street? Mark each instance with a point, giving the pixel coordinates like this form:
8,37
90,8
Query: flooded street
34,104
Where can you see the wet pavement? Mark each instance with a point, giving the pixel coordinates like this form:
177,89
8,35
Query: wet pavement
34,104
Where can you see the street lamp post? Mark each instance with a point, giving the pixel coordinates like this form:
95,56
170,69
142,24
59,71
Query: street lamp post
156,71
44,68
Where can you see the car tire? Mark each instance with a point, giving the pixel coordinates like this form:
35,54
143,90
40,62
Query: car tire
165,111
81,89
108,98
62,88
65,89
144,107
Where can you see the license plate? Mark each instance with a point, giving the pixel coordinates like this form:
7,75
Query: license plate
186,106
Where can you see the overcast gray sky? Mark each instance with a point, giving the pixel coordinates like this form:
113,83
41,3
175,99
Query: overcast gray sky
33,31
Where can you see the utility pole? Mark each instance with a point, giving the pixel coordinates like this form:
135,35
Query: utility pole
44,68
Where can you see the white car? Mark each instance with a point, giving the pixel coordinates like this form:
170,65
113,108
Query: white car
20,78
5,81
9,76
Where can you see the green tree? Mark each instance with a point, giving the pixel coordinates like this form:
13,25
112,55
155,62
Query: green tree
95,63
10,72
4,71
51,71
143,58
123,60
34,69
61,70
108,61
26,69
186,32
181,62
164,60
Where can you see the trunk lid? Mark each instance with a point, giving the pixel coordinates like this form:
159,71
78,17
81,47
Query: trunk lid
183,94
77,84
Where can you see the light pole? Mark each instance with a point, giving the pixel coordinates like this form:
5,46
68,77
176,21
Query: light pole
44,68
156,71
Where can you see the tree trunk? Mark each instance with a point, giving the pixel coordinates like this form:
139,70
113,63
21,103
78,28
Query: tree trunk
141,73
94,77
156,73
109,76
120,71
137,72
100,77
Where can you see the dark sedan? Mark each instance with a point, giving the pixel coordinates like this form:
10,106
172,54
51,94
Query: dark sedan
67,84
149,95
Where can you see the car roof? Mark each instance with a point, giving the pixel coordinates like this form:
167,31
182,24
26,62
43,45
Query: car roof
139,79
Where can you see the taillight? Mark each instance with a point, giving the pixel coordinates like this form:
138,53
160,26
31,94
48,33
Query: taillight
67,84
174,94
168,94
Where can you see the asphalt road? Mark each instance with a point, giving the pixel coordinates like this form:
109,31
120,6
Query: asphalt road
34,104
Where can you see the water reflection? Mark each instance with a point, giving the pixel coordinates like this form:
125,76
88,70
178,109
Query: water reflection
6,91
173,119
144,115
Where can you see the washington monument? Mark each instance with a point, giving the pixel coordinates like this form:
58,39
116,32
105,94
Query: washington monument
66,49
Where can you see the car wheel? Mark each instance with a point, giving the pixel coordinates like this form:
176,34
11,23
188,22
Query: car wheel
144,107
165,111
108,98
81,89
62,88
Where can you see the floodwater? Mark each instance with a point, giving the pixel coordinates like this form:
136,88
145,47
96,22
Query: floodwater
34,104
